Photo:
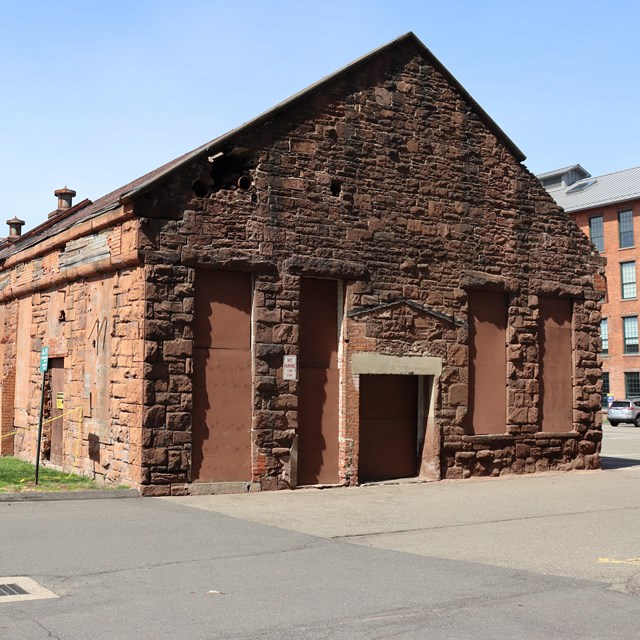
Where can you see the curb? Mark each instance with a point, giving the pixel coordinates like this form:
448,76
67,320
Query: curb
48,496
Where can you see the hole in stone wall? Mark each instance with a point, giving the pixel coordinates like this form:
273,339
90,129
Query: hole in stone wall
200,188
335,187
232,170
244,183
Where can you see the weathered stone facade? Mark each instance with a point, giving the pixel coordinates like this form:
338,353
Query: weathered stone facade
386,178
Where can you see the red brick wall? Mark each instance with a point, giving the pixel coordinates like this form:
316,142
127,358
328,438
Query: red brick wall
615,308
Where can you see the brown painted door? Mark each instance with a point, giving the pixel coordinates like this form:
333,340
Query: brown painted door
318,383
56,366
388,427
222,396
487,412
556,384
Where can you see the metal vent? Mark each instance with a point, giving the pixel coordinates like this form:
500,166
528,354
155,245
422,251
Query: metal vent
20,588
11,590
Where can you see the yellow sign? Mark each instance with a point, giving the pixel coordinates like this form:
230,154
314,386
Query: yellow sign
59,400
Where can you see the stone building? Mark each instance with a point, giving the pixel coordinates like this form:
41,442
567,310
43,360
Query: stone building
362,283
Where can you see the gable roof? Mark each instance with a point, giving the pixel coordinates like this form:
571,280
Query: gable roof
579,169
134,189
598,191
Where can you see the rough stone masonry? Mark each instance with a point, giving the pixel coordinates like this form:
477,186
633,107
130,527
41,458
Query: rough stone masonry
458,283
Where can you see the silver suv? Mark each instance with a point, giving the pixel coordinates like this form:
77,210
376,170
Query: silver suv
624,411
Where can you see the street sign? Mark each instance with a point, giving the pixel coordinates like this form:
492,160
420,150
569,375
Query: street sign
290,368
44,365
44,359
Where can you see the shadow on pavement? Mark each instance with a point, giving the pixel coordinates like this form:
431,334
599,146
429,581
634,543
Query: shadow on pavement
610,462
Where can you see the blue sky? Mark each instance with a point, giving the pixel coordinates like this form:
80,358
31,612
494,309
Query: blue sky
97,94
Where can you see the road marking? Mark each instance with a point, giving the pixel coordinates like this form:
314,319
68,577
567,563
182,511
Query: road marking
614,561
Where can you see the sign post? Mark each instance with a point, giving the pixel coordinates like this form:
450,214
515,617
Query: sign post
44,365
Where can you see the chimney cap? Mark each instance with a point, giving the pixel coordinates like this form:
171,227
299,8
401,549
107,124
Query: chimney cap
65,191
15,228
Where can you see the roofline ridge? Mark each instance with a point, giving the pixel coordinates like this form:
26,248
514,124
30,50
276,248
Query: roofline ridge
611,173
409,36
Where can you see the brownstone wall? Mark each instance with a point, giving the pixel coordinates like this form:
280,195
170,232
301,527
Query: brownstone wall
88,309
8,380
389,182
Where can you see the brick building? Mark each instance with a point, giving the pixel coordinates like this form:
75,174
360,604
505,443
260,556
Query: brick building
363,283
606,209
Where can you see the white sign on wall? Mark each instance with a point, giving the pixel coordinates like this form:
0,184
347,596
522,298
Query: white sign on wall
290,368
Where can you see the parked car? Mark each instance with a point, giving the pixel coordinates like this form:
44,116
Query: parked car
624,411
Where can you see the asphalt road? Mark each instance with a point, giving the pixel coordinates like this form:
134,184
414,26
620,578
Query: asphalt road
552,556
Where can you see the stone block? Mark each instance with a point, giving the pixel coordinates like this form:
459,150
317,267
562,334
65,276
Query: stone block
154,457
458,394
151,491
178,421
154,417
159,330
177,348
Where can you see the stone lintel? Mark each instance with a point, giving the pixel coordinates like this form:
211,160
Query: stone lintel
225,259
555,289
488,281
326,268
377,363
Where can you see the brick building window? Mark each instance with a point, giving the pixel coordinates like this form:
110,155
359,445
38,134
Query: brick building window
631,384
630,333
605,387
625,228
628,279
604,336
596,232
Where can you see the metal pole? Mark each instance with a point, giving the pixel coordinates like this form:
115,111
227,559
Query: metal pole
44,373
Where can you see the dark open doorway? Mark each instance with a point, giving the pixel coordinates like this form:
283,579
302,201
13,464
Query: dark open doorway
392,426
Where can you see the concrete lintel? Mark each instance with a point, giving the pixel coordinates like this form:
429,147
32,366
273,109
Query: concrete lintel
377,363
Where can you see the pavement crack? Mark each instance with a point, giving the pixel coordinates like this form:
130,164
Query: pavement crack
475,524
48,631
170,563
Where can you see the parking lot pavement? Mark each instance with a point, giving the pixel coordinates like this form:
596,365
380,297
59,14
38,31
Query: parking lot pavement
578,525
547,556
154,568
621,446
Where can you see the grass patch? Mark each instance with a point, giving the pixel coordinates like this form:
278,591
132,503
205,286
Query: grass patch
18,475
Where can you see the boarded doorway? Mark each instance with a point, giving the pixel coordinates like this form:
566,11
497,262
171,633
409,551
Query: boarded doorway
389,437
556,385
222,396
318,386
56,367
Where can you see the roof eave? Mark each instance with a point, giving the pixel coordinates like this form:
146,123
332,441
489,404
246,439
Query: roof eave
603,203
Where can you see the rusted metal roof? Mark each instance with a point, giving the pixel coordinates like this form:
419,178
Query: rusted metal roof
134,189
